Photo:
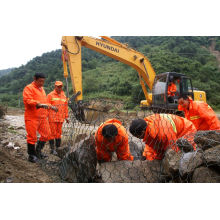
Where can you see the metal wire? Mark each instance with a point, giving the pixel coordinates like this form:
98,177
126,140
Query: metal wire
79,163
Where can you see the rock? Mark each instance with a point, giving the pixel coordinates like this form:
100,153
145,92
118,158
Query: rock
184,145
4,143
9,180
80,165
20,128
171,162
17,144
130,171
189,162
10,145
205,175
136,150
207,139
80,137
212,156
62,151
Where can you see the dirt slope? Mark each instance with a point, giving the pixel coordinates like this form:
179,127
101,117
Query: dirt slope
14,166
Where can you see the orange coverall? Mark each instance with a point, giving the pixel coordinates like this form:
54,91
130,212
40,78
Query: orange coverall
56,119
120,144
201,115
171,89
162,131
35,119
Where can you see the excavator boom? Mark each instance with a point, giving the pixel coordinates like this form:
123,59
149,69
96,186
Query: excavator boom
71,49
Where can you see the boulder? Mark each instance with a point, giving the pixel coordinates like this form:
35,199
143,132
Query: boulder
212,156
130,171
207,139
80,137
62,151
184,145
171,162
189,162
136,150
205,175
80,164
69,146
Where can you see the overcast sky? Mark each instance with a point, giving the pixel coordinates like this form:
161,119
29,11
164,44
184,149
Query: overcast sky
31,28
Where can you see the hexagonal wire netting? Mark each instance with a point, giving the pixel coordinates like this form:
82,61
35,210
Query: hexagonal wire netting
186,157
183,158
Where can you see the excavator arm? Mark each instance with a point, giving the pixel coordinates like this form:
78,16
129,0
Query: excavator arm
71,53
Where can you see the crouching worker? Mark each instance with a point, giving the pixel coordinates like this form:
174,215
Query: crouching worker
111,137
57,98
36,112
159,131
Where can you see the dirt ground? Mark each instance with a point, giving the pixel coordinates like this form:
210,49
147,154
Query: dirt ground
14,167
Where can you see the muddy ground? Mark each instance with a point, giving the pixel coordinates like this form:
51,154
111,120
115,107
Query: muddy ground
14,167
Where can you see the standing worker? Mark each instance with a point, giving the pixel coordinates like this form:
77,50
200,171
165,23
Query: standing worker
199,113
159,131
36,112
111,137
57,98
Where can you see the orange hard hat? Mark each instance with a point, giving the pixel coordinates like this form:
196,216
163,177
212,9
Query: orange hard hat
58,83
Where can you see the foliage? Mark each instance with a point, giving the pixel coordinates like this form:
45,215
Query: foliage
104,77
5,71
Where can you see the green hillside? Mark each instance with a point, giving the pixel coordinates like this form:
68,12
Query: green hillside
5,71
105,77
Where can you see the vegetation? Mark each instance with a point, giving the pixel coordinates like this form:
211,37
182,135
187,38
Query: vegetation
104,77
5,71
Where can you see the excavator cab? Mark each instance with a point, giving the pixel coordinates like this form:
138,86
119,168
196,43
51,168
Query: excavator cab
167,88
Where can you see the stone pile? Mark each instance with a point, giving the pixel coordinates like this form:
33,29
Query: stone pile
79,164
200,166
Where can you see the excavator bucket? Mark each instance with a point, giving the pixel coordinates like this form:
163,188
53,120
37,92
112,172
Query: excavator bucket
77,108
87,112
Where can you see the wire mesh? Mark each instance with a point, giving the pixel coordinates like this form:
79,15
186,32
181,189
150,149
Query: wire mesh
182,157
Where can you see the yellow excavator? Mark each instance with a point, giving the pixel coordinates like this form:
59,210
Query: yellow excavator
157,98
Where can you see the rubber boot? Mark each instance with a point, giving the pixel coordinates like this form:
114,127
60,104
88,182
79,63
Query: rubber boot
52,147
39,147
31,153
58,142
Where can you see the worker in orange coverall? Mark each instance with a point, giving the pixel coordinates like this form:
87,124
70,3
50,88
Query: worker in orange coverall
160,131
57,98
199,113
171,90
36,113
111,137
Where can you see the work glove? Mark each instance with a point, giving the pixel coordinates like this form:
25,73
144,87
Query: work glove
45,106
54,108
